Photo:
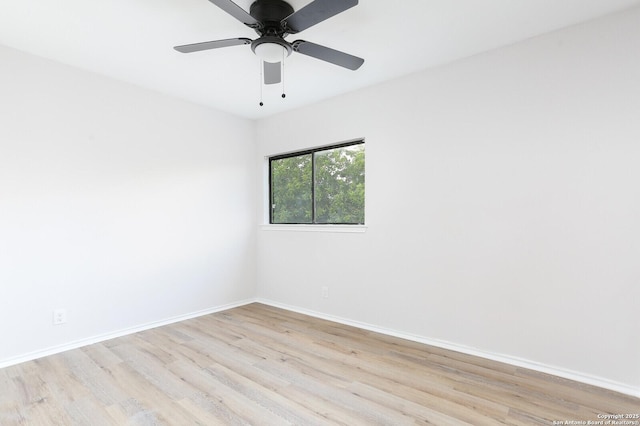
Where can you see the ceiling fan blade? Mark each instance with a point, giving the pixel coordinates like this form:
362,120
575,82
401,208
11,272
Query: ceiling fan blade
196,47
327,54
314,13
272,73
237,12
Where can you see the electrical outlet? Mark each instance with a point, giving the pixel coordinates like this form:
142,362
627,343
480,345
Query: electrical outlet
59,316
325,292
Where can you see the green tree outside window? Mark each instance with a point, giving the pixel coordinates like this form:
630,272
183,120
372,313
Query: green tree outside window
324,186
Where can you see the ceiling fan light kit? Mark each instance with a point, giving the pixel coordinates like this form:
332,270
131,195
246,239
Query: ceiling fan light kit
274,20
271,49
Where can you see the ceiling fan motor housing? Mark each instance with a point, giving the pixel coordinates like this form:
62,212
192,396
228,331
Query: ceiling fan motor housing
271,14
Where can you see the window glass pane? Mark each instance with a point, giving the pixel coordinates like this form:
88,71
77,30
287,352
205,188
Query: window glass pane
339,185
291,193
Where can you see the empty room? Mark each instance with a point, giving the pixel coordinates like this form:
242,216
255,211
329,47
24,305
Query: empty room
320,212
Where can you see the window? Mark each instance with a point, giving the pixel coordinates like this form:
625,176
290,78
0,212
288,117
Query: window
319,186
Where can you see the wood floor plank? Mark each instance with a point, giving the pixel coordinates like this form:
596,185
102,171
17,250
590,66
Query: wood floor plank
261,365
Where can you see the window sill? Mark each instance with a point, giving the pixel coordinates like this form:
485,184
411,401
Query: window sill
316,228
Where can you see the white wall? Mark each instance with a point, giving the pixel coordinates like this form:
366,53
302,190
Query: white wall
123,206
503,205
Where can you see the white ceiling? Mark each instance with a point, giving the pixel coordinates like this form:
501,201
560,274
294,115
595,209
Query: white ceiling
132,40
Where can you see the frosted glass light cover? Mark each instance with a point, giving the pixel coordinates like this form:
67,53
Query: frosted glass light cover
270,52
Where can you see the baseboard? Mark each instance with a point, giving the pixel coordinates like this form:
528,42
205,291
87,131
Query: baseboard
518,362
119,333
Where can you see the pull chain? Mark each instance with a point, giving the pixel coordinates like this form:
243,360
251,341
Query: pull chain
261,80
282,63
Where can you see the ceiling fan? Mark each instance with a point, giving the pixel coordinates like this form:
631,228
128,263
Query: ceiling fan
274,20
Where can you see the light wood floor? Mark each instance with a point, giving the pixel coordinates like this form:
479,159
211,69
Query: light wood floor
261,365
